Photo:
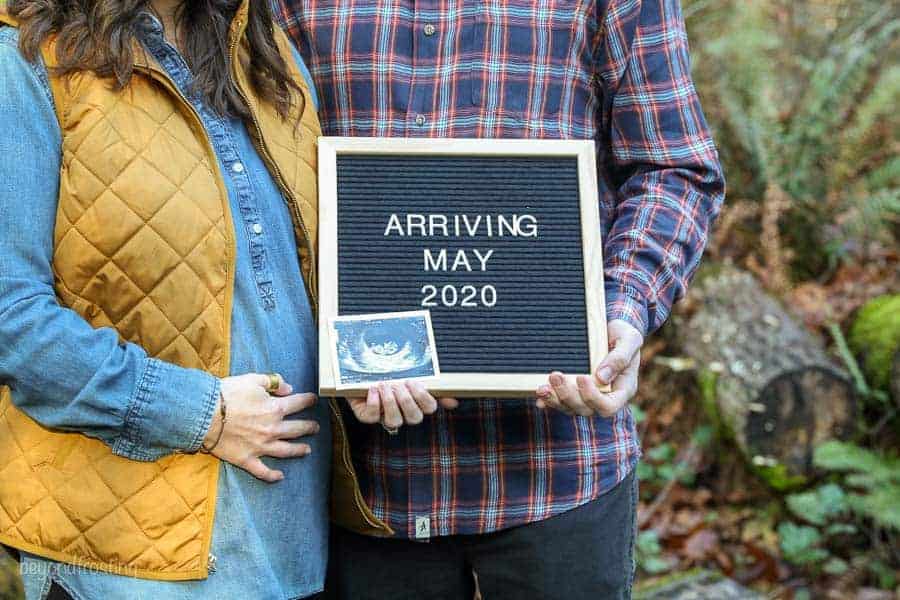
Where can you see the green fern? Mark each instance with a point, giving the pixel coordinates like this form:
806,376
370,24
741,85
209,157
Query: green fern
802,95
869,137
836,86
876,477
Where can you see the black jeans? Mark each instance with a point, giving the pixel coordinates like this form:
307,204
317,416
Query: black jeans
586,553
58,593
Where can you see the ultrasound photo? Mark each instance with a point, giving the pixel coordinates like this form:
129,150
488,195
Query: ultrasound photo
370,349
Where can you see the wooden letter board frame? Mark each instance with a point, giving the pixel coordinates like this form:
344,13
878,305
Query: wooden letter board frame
509,385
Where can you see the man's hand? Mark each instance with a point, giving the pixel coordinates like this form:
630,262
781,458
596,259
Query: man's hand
620,369
256,424
396,404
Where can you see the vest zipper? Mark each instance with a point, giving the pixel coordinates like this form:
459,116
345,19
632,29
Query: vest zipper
293,204
281,181
278,175
214,164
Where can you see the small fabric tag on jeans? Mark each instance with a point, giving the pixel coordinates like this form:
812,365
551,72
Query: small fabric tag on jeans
423,528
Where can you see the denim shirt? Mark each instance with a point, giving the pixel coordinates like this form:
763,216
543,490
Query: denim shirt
269,540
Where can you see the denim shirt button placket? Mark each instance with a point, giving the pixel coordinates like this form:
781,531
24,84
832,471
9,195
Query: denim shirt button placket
217,129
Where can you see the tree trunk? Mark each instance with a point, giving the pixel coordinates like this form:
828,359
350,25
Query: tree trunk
875,339
766,378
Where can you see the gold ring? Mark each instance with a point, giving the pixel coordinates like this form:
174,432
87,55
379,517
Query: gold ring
274,383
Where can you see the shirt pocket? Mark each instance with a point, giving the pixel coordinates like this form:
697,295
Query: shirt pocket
520,53
359,53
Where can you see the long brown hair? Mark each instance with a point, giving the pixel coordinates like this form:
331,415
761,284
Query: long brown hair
98,36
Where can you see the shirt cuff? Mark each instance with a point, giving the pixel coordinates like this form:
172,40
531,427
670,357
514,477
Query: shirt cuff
625,302
171,411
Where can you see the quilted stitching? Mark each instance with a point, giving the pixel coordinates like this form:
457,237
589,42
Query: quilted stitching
95,507
68,493
170,230
108,223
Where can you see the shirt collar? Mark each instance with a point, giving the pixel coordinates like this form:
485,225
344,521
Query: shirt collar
148,24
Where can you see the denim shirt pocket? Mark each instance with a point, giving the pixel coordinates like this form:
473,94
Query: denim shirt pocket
519,51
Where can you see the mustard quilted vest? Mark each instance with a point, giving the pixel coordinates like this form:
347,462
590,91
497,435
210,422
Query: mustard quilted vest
144,243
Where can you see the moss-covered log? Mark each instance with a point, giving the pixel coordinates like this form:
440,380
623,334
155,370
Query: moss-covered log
694,585
10,582
895,379
768,379
875,339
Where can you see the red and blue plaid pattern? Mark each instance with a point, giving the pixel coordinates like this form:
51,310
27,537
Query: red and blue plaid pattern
615,71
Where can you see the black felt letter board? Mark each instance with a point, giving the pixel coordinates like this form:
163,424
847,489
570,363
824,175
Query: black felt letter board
537,322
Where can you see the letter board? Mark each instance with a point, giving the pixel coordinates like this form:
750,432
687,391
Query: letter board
498,239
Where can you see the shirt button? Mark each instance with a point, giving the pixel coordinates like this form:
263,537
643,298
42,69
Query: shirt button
420,120
429,29
237,167
257,228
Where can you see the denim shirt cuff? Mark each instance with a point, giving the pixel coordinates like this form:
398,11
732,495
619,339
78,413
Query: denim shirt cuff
171,411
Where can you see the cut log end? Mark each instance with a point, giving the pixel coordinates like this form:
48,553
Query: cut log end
794,413
776,389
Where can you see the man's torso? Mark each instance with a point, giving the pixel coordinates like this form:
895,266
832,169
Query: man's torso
485,69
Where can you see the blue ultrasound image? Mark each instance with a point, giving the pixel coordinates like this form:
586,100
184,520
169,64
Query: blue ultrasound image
382,349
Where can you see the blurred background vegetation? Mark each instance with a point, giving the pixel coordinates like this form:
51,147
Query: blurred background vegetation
803,96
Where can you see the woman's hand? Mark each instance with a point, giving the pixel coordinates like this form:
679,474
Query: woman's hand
256,424
620,369
396,404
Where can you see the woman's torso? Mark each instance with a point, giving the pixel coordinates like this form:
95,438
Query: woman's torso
269,541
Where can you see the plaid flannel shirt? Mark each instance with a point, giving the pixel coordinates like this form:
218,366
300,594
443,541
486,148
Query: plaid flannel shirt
615,71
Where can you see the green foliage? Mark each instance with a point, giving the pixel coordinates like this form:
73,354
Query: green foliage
835,566
801,544
875,336
648,553
638,414
807,546
662,453
836,84
876,477
707,381
844,456
660,465
884,574
702,436
778,477
863,389
868,487
819,505
802,96
836,529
